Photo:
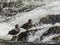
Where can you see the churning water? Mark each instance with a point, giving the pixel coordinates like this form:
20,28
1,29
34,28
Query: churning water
52,7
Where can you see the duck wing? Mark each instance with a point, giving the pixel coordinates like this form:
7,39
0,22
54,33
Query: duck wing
13,32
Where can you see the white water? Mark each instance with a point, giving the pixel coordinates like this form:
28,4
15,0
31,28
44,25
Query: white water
38,34
35,15
48,38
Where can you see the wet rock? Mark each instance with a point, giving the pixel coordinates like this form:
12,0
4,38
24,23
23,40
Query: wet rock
50,19
4,4
52,30
56,39
55,29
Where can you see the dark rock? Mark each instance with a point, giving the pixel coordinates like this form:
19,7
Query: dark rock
56,39
55,29
52,30
23,36
4,5
50,19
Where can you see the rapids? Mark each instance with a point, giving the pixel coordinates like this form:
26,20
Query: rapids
35,15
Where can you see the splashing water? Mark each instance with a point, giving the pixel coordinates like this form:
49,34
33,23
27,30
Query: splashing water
35,15
38,34
48,38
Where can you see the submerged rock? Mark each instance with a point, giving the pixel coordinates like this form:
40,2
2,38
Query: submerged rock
50,19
